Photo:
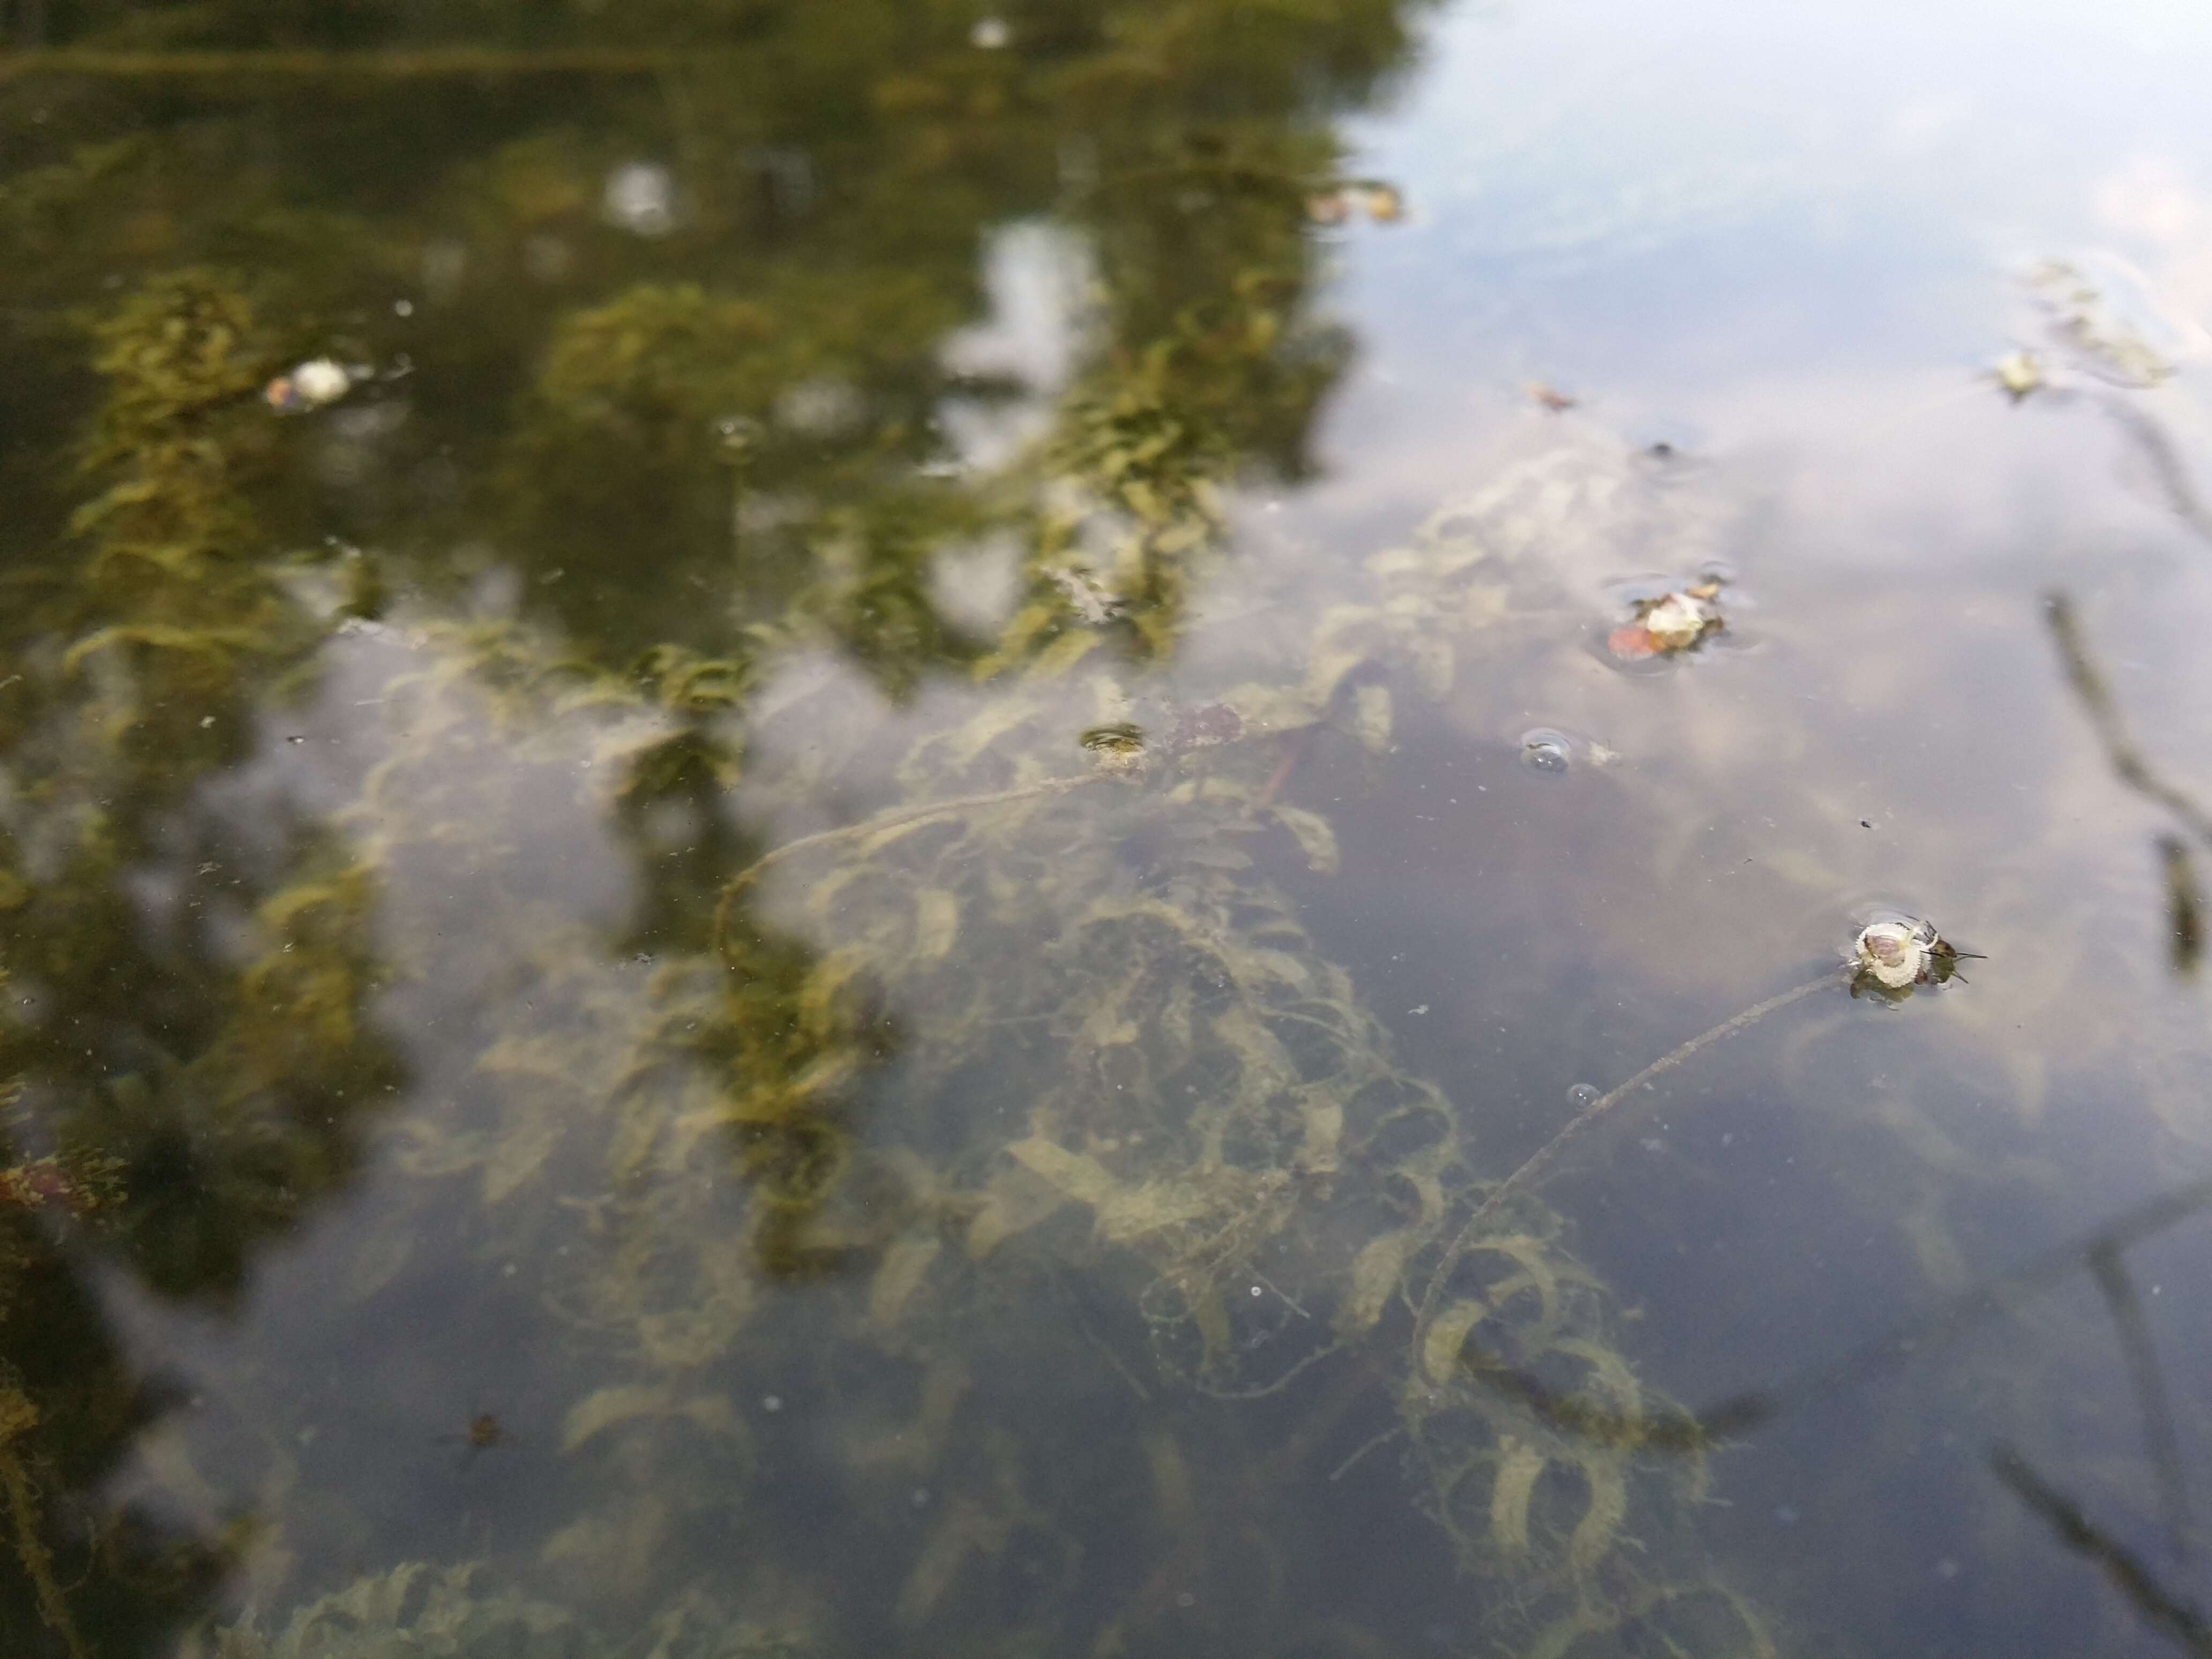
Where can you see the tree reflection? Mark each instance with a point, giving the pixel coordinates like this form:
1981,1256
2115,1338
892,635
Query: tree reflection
653,307
186,988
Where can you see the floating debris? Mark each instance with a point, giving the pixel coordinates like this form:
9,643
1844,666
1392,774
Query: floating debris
1382,204
1670,624
1385,206
315,384
1329,207
990,35
1543,749
2087,328
1894,954
1202,728
2020,374
1117,751
1679,620
641,197
1088,597
1553,752
46,1184
486,1432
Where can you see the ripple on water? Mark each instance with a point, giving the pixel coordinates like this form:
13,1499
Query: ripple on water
1546,751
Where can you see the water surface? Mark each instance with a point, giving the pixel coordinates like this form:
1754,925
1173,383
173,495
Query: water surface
773,881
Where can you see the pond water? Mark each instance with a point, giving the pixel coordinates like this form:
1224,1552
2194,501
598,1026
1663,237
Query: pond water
912,828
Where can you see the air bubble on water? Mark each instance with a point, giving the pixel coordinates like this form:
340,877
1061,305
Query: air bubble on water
1582,1097
641,197
1545,750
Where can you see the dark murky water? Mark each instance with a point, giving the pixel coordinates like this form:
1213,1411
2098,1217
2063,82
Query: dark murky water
802,810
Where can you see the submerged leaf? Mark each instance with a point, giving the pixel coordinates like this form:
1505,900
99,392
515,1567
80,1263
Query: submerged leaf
1370,718
937,923
1375,1272
1520,1466
1606,1471
1084,1179
609,1406
628,1402
1015,1199
905,1264
1315,838
1631,643
1448,1334
526,1139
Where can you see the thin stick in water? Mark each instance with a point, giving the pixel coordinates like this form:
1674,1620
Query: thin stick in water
1548,1152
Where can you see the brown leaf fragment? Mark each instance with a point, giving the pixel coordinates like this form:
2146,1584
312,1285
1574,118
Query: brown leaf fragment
1631,643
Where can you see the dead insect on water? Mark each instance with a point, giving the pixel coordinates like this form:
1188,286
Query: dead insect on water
484,1432
1894,956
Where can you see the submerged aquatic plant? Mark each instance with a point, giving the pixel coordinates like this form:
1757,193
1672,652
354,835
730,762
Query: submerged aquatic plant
19,1415
1018,1060
1034,1071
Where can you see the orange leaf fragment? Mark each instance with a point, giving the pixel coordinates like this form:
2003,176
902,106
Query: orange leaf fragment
1631,643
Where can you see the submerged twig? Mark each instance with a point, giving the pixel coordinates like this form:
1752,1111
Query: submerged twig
1294,751
2165,461
2097,701
2184,902
1260,1391
2147,1377
1545,1155
1578,1415
2172,1615
2184,906
1366,1446
1948,1319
